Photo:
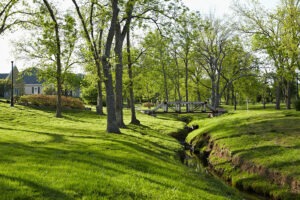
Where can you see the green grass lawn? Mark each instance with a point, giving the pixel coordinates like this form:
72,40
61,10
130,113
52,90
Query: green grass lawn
266,138
42,157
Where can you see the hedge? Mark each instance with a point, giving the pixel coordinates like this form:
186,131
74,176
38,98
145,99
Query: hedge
50,101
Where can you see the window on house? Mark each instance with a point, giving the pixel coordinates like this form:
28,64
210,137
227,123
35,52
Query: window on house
32,90
39,90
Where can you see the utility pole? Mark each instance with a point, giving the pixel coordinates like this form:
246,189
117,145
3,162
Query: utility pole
12,85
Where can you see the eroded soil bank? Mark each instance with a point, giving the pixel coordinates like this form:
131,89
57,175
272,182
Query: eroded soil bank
243,174
198,160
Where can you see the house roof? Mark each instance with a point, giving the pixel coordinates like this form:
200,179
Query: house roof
30,76
31,79
3,76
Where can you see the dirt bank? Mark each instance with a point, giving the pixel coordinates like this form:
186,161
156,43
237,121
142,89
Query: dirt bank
245,174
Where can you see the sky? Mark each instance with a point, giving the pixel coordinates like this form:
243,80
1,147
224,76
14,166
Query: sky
218,7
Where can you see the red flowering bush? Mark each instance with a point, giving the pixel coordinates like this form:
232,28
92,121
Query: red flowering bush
148,105
50,101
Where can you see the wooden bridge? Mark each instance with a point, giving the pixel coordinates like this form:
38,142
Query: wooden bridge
176,106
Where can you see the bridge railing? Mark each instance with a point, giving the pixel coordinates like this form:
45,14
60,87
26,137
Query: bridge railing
190,106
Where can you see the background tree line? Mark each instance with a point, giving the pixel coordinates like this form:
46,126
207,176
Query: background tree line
160,51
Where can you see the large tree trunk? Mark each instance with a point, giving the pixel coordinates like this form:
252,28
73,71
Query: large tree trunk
134,120
119,40
119,76
112,126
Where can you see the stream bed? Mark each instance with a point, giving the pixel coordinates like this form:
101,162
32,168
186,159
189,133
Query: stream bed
199,163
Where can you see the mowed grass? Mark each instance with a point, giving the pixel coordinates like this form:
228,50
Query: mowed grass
267,138
42,157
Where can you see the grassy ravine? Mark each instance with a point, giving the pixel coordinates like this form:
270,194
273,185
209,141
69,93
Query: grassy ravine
254,149
43,157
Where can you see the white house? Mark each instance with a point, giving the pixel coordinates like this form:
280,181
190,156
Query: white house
32,85
27,83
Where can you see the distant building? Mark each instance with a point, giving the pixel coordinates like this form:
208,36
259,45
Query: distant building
31,83
27,83
6,84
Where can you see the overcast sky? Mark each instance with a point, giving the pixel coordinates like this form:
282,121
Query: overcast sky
218,7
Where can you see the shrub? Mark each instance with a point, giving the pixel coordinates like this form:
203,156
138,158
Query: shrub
16,99
148,105
50,101
297,105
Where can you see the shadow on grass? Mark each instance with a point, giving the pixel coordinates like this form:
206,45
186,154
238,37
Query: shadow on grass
259,152
111,164
56,138
44,192
145,130
270,191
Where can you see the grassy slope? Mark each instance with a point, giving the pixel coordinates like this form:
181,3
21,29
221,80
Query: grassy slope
267,138
73,158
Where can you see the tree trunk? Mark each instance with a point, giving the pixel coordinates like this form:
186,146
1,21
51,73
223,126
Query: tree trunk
134,120
278,95
198,94
59,91
112,126
99,107
97,55
119,40
58,60
213,91
288,95
218,94
228,94
119,76
177,82
232,95
93,48
186,83
165,83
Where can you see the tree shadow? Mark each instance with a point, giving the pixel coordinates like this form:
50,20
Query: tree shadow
55,138
44,192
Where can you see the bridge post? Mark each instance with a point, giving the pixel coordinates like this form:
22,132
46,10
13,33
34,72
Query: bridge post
165,107
190,107
178,107
204,107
